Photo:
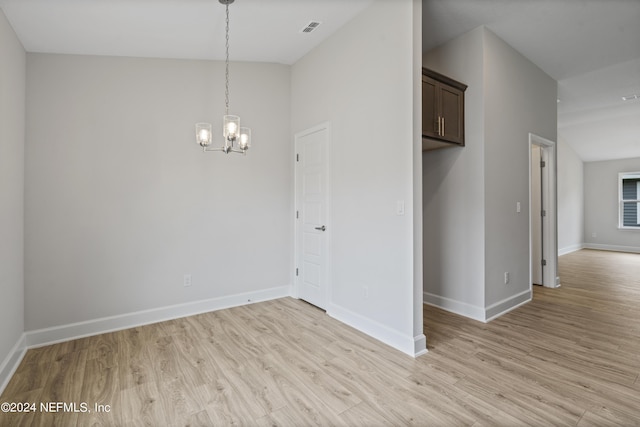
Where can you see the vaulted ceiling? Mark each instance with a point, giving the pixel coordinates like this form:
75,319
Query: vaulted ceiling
261,30
591,47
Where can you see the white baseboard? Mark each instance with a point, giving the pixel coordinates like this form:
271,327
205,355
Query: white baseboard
56,334
454,306
614,248
413,346
506,305
569,249
420,345
12,361
478,313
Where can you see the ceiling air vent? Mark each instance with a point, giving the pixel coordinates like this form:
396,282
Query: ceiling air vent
310,27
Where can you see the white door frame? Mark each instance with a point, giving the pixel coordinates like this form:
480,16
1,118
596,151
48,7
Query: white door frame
326,126
550,245
537,223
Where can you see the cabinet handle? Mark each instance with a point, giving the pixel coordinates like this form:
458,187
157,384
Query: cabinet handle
443,126
438,131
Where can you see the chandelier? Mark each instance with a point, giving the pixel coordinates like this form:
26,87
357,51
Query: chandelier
236,139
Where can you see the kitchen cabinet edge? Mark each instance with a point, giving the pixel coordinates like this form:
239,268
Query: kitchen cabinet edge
429,144
444,79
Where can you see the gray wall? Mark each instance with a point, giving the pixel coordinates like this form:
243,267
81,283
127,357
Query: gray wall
472,233
362,80
570,199
121,202
453,185
519,98
601,206
12,122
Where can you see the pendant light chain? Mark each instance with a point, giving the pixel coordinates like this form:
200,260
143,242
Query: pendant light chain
226,75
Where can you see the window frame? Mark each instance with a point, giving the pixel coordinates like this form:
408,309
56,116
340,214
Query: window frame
621,201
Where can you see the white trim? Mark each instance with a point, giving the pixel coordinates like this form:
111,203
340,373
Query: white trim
56,334
506,305
478,313
569,249
392,337
12,361
454,306
550,250
420,339
420,345
614,248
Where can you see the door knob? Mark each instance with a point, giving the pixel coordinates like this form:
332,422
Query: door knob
321,228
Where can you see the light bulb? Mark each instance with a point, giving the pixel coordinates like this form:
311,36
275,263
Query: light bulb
232,128
245,138
203,136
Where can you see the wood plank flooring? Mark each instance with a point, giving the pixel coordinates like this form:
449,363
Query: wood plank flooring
571,357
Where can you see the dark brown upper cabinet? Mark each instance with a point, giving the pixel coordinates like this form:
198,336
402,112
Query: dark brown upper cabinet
442,111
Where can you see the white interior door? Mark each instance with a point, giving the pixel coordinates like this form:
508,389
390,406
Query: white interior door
312,219
536,217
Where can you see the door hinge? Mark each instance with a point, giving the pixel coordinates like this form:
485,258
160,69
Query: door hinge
544,262
297,214
296,271
543,213
543,163
297,157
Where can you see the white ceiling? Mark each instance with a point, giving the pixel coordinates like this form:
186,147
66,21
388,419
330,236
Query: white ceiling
261,30
592,47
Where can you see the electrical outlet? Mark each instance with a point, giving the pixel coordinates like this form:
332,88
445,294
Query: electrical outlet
186,281
506,277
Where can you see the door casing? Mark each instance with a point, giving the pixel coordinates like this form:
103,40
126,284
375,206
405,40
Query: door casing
550,239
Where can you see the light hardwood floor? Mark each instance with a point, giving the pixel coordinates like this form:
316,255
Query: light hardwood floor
570,357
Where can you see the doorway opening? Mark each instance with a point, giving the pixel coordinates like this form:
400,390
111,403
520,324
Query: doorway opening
543,235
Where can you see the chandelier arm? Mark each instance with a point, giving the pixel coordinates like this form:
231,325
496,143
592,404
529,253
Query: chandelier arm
212,149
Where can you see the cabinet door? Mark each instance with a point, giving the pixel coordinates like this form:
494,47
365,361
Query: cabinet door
452,114
429,107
